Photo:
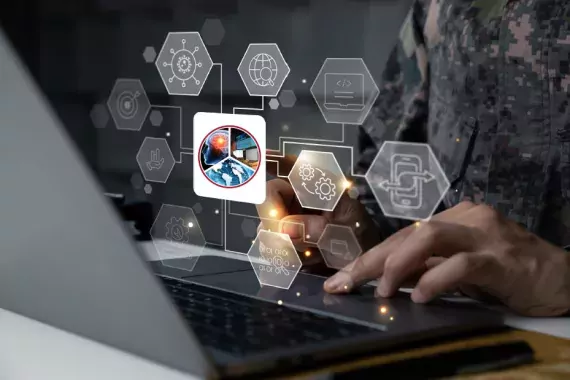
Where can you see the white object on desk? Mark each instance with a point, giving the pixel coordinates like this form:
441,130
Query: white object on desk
31,350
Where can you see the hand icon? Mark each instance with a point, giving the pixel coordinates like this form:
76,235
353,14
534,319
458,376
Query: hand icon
156,161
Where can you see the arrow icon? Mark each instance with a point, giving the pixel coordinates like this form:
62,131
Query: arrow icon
426,177
308,191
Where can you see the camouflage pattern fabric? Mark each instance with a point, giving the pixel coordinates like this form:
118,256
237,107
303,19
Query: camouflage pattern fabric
486,83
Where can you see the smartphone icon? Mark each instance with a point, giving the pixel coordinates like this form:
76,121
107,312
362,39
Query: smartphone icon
404,170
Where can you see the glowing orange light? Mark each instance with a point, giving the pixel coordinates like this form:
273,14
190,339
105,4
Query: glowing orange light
308,253
417,224
347,184
273,213
383,309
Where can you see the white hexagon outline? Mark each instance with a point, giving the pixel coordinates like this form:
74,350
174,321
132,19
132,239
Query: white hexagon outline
282,58
111,108
158,250
322,237
169,150
295,190
432,155
294,250
363,115
156,63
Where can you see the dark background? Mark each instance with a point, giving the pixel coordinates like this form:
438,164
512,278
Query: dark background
77,49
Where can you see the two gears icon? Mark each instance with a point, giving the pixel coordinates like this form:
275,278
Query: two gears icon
324,187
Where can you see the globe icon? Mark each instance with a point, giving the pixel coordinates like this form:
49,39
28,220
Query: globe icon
263,70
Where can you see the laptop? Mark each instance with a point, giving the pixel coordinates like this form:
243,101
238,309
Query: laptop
68,261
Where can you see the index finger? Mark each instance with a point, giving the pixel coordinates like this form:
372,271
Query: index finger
370,265
280,196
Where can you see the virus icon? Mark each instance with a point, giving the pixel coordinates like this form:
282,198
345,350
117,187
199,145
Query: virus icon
306,172
176,231
325,189
184,64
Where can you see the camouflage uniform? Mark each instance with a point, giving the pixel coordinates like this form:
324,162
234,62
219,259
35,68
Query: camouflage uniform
486,83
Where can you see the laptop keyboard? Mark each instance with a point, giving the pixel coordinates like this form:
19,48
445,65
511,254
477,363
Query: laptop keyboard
242,325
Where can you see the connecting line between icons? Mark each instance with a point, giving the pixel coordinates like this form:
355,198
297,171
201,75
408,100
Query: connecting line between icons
281,138
252,109
221,87
229,212
352,173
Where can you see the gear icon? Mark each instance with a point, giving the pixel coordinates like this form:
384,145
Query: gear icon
176,231
325,189
306,172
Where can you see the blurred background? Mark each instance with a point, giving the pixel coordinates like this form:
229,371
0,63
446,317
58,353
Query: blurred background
77,49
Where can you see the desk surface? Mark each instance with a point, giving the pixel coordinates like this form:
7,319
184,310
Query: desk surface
33,350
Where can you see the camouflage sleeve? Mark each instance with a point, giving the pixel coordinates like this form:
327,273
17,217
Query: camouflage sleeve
401,109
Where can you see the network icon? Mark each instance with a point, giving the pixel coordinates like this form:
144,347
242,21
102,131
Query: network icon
184,63
263,70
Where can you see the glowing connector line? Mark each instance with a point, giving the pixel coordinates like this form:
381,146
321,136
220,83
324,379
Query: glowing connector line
252,109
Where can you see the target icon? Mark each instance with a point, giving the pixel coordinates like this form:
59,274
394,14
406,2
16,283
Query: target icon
127,104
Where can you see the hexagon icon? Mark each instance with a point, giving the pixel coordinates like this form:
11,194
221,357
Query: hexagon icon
128,104
274,104
155,159
407,180
287,98
156,118
344,90
213,31
248,228
99,116
184,63
339,246
177,237
149,54
263,69
317,180
148,189
274,259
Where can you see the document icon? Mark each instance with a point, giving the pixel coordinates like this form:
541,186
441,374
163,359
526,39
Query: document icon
344,92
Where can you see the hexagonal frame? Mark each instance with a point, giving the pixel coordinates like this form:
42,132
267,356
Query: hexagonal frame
259,262
285,96
245,224
158,248
339,194
99,115
364,113
252,86
132,87
166,49
210,26
438,168
149,50
151,118
324,252
143,170
274,104
147,189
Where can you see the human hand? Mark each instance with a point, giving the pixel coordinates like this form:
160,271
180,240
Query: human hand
156,161
282,212
480,253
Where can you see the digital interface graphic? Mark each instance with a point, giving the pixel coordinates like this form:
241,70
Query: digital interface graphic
407,180
229,154
274,259
229,160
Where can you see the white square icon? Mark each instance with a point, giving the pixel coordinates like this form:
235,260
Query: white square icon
229,157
